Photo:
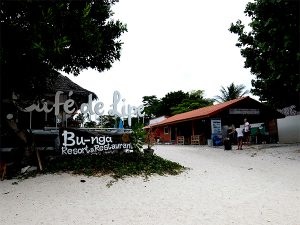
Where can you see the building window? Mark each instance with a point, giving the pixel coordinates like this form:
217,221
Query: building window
166,130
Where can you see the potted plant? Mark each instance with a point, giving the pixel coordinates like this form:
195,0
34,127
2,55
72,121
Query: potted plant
137,137
150,140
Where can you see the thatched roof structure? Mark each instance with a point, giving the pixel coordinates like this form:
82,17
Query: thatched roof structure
63,83
53,82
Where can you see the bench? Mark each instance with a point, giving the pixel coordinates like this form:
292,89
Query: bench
197,140
180,140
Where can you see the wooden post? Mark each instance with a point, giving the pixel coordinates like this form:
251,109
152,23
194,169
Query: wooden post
30,119
39,159
193,128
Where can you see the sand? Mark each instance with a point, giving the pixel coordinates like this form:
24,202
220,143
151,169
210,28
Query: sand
259,185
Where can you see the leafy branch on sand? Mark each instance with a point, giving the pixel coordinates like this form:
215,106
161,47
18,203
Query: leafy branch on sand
116,165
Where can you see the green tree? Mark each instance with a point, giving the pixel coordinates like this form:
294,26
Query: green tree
271,50
171,99
195,100
39,38
152,106
107,121
90,124
80,118
174,103
231,92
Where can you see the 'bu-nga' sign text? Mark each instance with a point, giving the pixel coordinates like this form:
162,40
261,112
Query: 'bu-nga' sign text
75,142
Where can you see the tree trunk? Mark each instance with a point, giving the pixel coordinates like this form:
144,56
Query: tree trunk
24,137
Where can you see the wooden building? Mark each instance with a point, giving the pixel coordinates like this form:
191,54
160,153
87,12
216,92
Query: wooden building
211,123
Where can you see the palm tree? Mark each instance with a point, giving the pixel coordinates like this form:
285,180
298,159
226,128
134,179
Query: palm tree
81,119
231,92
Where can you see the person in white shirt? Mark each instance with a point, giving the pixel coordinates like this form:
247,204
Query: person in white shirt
247,131
240,135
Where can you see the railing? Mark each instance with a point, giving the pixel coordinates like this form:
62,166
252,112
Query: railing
94,129
106,129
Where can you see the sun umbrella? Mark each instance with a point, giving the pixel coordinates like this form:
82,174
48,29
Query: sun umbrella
121,124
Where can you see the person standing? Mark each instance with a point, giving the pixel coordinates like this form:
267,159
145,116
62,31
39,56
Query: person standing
232,134
247,131
239,132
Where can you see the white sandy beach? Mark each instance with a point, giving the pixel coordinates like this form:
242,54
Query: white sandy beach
254,186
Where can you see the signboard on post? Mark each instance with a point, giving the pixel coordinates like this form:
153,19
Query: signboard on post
86,142
216,131
91,141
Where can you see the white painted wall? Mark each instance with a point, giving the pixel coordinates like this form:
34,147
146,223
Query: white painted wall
289,129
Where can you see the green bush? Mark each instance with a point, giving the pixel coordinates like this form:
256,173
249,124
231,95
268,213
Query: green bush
116,165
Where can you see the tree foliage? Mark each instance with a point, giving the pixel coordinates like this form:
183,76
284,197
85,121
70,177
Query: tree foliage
231,92
152,105
195,100
107,121
81,119
40,37
137,137
175,102
155,107
170,100
271,49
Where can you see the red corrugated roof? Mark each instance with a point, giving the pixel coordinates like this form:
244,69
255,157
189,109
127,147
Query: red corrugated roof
200,113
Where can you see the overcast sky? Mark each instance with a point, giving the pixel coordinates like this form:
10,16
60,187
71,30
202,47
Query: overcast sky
172,45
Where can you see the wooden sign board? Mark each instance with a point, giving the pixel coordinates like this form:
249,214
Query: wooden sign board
244,111
85,142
